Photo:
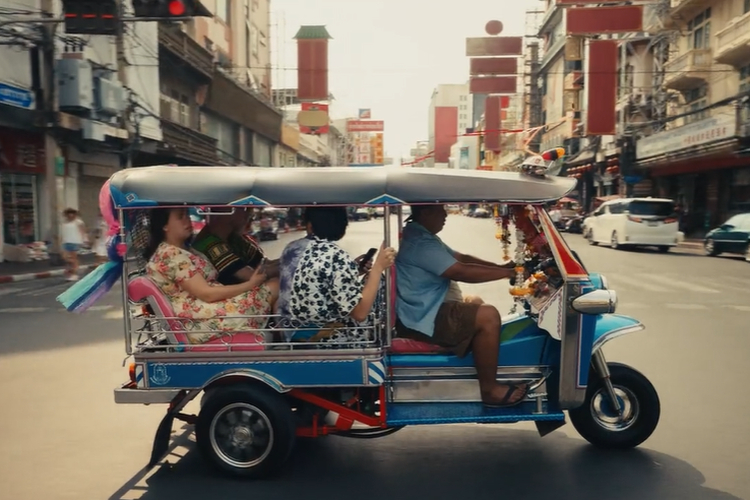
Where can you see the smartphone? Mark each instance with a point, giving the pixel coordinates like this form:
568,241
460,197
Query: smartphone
262,265
367,258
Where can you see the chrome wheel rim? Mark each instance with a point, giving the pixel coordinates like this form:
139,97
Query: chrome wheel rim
606,416
241,435
709,246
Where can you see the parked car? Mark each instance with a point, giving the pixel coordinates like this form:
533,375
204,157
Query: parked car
631,222
453,209
361,214
379,212
731,237
482,213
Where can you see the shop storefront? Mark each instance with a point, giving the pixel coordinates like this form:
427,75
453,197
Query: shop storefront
287,151
21,165
85,176
698,167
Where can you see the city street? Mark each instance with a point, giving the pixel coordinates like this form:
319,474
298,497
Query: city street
62,437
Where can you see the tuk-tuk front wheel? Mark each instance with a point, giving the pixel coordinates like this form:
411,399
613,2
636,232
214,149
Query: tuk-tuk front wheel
246,431
599,423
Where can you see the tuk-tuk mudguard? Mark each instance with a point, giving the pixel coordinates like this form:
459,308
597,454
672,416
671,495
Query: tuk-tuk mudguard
610,326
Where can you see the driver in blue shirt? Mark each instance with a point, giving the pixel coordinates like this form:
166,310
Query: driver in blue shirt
426,312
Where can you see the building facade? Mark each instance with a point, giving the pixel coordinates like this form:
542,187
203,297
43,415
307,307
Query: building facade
449,115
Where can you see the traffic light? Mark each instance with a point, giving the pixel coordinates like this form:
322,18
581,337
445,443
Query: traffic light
167,9
90,17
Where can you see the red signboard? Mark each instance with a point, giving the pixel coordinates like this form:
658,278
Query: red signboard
590,21
601,87
504,101
446,125
312,70
21,151
492,123
313,119
494,46
365,126
493,85
494,66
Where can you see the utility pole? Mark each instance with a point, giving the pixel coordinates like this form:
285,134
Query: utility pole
126,156
48,85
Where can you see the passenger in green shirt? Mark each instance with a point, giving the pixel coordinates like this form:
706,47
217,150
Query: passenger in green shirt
225,244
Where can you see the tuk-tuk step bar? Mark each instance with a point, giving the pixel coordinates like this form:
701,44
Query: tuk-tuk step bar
432,413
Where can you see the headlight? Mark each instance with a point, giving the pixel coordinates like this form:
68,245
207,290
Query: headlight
596,302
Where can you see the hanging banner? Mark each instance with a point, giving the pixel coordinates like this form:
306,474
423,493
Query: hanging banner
601,88
600,20
492,124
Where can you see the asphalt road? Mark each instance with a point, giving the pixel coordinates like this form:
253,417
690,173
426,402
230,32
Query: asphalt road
62,436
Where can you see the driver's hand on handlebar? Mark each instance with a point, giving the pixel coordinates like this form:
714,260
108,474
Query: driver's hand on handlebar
385,259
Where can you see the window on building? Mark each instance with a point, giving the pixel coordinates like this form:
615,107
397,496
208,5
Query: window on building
699,36
224,10
696,99
746,7
185,111
253,41
463,97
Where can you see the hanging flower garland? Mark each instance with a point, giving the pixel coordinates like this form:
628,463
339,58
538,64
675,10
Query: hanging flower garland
527,235
503,231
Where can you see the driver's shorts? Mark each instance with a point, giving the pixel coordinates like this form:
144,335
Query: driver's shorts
455,328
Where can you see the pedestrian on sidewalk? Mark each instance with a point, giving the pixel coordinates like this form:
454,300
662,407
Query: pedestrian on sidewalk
72,236
100,246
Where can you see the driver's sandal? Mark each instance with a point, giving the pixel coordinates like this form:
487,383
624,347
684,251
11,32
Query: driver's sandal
513,389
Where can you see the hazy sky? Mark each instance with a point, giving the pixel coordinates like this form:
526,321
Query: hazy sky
388,55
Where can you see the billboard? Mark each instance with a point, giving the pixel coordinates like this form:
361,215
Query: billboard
493,85
599,20
313,119
494,46
365,126
601,87
365,114
492,123
312,63
493,66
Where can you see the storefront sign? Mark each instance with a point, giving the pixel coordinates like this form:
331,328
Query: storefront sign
717,128
21,151
16,96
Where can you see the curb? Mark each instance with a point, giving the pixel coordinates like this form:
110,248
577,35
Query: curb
14,278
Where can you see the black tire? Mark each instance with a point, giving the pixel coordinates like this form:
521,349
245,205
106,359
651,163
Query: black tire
663,249
709,246
590,237
642,404
614,242
258,413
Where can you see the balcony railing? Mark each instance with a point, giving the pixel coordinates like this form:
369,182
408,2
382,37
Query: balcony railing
189,144
733,42
182,46
689,69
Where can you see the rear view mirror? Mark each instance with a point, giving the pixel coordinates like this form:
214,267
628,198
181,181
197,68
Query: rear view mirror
596,302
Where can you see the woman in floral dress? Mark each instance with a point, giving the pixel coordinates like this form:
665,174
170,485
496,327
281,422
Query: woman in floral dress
191,284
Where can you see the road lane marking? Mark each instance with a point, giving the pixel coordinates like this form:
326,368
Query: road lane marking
114,314
687,307
739,308
690,287
23,309
634,283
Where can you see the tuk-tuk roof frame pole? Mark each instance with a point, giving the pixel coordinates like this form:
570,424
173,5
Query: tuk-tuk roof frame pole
388,279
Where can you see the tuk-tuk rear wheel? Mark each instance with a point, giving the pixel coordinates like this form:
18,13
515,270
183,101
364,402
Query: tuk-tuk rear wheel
598,423
246,431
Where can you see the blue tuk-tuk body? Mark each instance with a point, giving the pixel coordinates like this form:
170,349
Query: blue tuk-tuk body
258,397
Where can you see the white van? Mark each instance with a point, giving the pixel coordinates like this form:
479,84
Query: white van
634,222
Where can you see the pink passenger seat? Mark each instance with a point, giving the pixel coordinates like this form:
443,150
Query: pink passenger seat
143,289
407,346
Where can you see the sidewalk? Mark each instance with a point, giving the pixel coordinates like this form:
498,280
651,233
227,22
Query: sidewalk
11,272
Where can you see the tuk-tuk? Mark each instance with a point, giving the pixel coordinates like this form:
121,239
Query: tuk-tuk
259,396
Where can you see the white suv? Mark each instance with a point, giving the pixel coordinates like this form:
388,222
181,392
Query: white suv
634,222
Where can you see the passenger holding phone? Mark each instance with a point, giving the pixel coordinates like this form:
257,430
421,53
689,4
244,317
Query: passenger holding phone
321,284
